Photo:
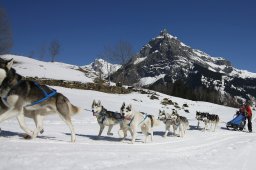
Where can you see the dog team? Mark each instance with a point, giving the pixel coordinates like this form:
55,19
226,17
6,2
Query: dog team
24,98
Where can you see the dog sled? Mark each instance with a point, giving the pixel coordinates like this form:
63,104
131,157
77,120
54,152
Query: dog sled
237,123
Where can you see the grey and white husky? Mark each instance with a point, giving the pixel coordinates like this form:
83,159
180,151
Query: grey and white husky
180,122
133,120
166,119
175,120
105,117
19,94
207,118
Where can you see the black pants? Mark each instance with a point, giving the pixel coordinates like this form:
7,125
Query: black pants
249,123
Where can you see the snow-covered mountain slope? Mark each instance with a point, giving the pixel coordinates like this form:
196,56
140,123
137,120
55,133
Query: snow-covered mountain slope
60,71
100,66
219,150
165,60
52,70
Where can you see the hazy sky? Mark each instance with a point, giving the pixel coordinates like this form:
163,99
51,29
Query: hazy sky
224,28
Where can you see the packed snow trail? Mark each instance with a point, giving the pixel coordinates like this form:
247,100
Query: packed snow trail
223,149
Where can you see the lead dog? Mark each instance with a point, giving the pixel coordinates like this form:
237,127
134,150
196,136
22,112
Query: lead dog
19,94
105,117
133,120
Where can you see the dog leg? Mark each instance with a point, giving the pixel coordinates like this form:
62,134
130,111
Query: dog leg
23,125
39,125
101,129
134,135
198,125
167,129
152,134
215,127
109,130
125,135
8,114
68,122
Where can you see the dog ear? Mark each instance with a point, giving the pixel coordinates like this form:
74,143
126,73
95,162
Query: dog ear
99,103
93,103
122,107
130,107
9,64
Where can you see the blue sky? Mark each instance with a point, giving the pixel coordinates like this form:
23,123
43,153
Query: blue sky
223,28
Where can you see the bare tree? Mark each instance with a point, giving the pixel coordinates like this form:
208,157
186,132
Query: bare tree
119,53
5,33
54,49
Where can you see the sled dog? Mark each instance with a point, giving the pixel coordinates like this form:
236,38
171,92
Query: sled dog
25,98
165,118
207,118
180,122
133,120
105,117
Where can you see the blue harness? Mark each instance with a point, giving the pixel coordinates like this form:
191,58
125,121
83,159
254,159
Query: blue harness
46,95
145,117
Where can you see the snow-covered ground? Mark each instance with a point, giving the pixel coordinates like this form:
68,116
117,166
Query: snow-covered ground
222,150
53,70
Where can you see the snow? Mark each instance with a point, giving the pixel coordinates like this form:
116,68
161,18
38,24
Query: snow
53,70
100,65
139,60
150,80
219,150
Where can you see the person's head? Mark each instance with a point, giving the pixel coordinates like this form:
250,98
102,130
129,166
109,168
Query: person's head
248,103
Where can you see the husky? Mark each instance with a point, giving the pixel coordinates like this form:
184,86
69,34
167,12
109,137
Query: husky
105,117
165,118
180,122
24,98
133,120
201,116
207,118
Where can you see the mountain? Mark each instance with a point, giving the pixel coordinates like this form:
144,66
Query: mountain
167,65
101,67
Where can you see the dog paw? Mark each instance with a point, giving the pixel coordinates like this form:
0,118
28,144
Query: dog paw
27,136
42,131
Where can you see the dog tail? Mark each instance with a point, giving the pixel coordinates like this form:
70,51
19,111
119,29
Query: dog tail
156,122
75,110
65,107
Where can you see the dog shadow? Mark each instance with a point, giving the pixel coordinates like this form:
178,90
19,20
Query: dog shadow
101,138
193,127
161,133
5,133
9,134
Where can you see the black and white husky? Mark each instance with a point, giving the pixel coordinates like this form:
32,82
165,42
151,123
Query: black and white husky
23,97
175,120
133,120
105,117
207,118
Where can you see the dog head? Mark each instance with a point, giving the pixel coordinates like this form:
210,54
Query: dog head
174,116
201,115
162,115
5,67
126,111
11,80
96,107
